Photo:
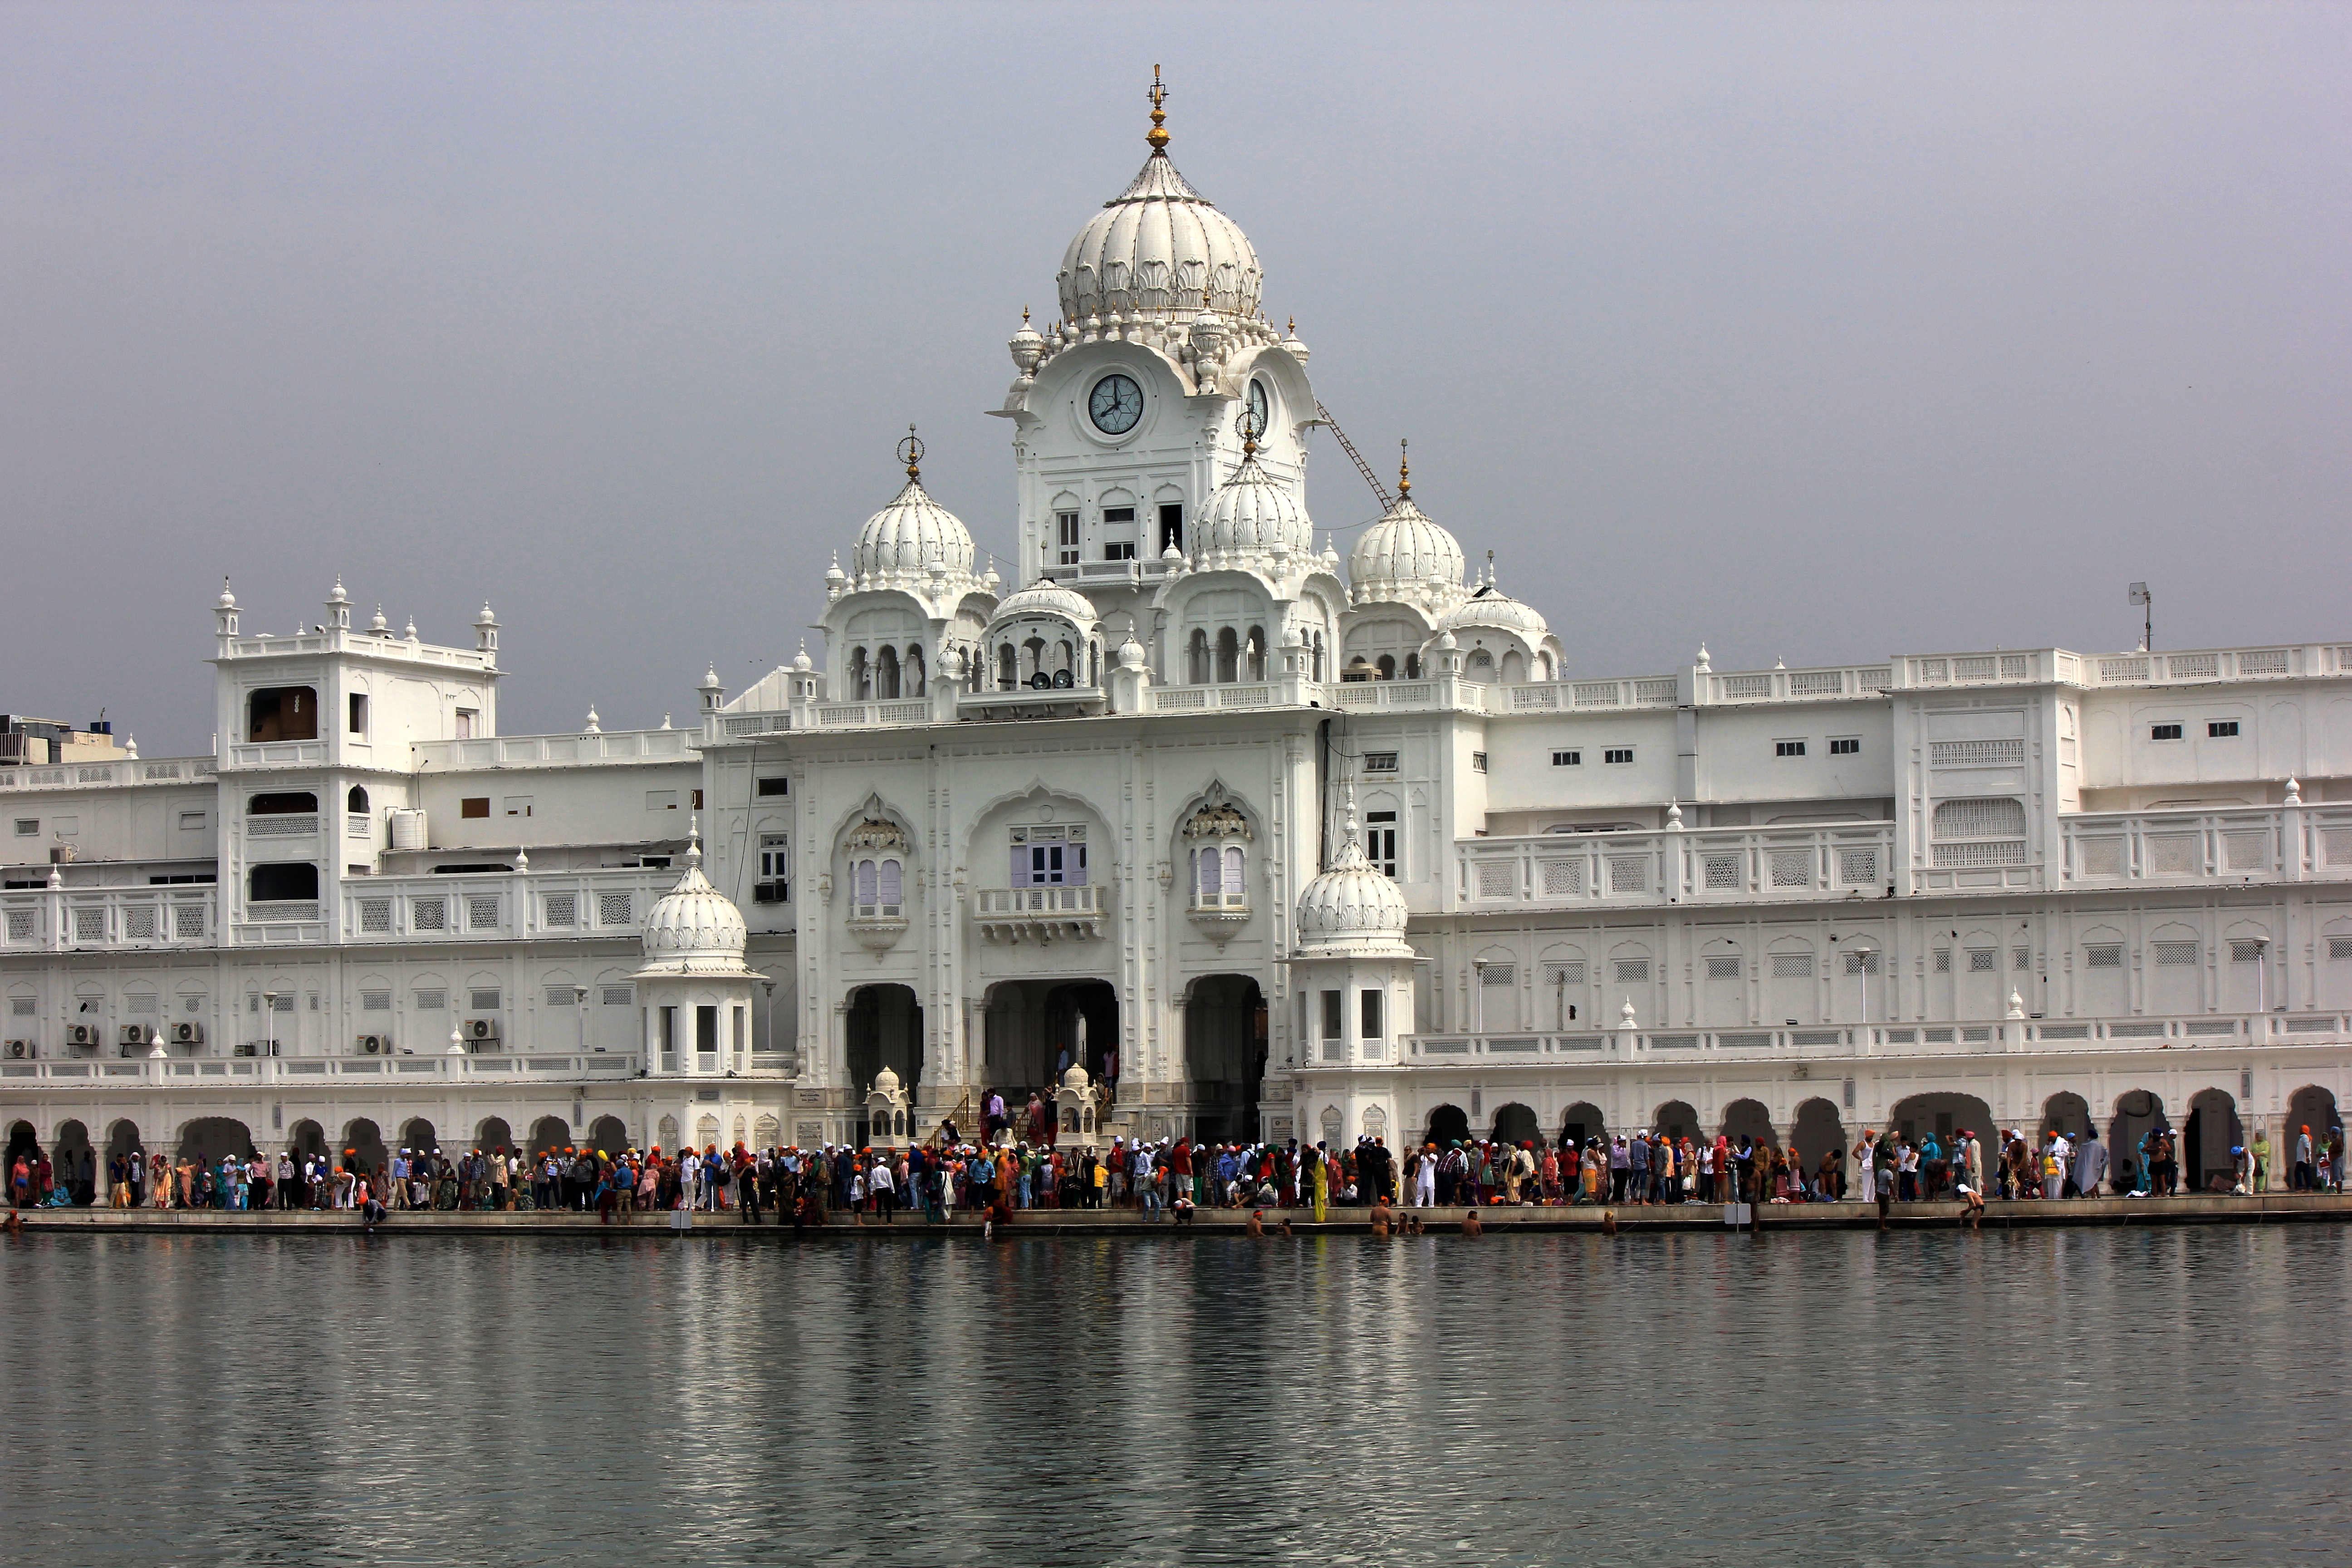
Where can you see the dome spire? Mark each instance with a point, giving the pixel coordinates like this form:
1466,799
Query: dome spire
911,452
1157,135
1404,470
694,840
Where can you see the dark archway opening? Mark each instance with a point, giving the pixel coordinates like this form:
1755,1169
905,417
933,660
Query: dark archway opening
1448,1125
76,1166
1580,1123
1819,1130
1675,1119
1225,1053
609,1136
2313,1108
417,1137
550,1134
1748,1119
209,1140
2206,1139
494,1135
886,1029
306,1139
1515,1124
2066,1114
1030,1035
362,1148
2139,1115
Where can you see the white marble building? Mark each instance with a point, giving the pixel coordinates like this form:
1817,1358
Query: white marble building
1976,887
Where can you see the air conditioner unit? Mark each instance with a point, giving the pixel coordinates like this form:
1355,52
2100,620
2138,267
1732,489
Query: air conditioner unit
79,1034
373,1045
248,1049
132,1034
481,1028
187,1034
20,1050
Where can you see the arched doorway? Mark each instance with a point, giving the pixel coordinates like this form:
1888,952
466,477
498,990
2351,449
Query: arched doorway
1675,1119
304,1138
1748,1119
1943,1115
1818,1131
1448,1125
363,1148
74,1164
2066,1114
209,1140
418,1136
1580,1123
2312,1106
549,1133
1515,1124
494,1135
884,1028
1030,1032
122,1145
2206,1138
1224,1054
609,1135
2138,1113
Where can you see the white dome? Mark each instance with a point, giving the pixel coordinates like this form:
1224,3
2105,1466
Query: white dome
1045,597
910,534
1405,550
1352,903
886,1082
1153,248
1250,513
694,928
1491,607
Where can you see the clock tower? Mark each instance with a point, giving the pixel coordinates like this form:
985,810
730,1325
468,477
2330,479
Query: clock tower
1124,410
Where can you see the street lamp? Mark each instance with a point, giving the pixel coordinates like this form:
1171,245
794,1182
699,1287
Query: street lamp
579,1010
770,1010
269,1012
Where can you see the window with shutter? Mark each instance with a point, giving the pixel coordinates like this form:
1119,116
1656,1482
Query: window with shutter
865,882
889,882
1232,875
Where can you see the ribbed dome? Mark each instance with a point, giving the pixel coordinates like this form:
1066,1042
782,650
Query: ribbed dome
694,928
1153,250
908,534
1350,904
1249,513
1045,598
1491,607
1405,550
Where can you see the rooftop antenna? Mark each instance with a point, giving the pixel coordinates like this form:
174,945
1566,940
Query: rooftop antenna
2147,603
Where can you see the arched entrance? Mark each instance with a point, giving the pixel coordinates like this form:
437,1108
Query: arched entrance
1447,1124
2312,1106
493,1135
306,1137
418,1136
884,1028
209,1140
2206,1139
1030,1034
2066,1114
1748,1119
76,1166
1818,1131
363,1148
2138,1113
122,1145
1515,1124
1675,1119
549,1133
608,1135
1943,1115
1224,1054
1580,1122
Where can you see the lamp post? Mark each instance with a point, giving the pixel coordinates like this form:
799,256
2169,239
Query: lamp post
270,1014
768,1010
579,1010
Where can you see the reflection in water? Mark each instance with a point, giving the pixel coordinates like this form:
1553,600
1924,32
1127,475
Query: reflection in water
2094,1395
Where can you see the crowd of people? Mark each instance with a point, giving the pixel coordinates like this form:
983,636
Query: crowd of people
1170,1178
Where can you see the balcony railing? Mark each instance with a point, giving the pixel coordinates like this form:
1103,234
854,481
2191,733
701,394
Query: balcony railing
1038,914
119,775
1439,1050
1746,865
501,905
243,1072
2263,844
129,918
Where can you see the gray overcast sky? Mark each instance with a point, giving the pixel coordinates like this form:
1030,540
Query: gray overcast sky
1814,332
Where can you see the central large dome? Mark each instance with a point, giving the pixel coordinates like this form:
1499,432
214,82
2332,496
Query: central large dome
1153,248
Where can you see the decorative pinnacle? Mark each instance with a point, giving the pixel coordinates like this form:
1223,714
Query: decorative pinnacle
1252,426
1157,135
1404,470
911,452
694,839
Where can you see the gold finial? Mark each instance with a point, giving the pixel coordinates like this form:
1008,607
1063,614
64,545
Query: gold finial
1025,315
1293,326
1250,424
1157,135
1404,472
911,452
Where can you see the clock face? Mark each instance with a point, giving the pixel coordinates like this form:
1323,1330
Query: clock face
1116,403
1258,408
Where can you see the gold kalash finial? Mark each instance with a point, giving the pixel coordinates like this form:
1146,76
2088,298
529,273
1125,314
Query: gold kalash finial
1157,135
1404,472
911,452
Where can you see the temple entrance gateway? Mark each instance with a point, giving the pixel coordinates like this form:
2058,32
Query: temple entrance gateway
1224,1056
1031,1035
884,1028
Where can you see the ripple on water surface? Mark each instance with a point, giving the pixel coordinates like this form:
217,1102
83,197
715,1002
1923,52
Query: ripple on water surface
2115,1395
